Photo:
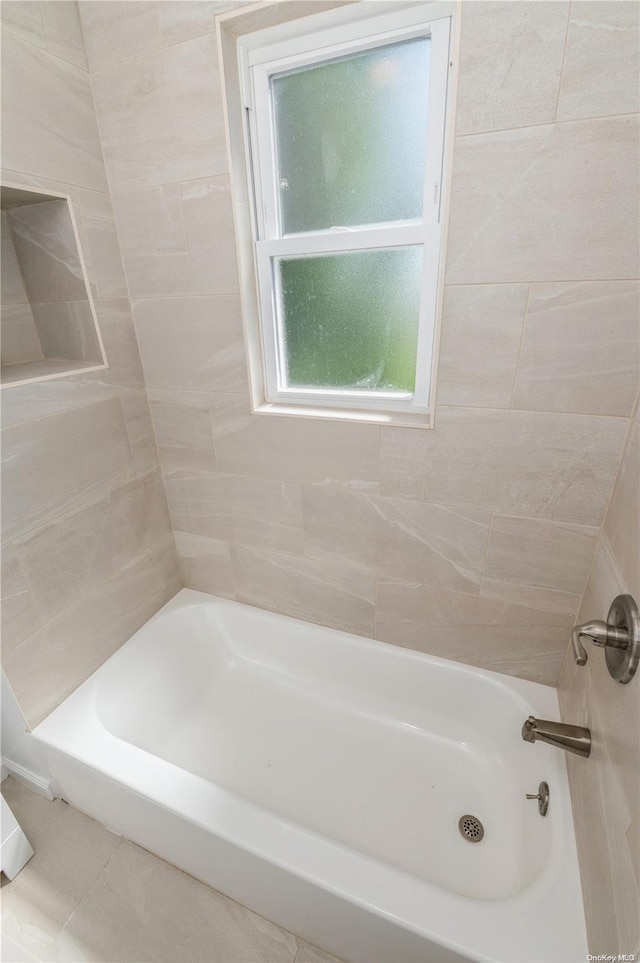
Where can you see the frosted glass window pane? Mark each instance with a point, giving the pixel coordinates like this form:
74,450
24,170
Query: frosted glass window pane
351,138
351,320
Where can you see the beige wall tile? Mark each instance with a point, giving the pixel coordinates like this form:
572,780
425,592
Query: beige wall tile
55,660
633,838
20,341
591,841
192,344
396,537
62,31
106,260
153,106
601,66
67,329
622,523
538,563
135,408
293,449
47,252
140,907
339,596
190,18
114,32
154,246
480,338
38,87
120,344
183,429
252,511
12,282
168,566
25,402
63,559
24,20
56,557
581,348
512,58
205,564
512,462
485,632
550,194
208,219
37,456
20,616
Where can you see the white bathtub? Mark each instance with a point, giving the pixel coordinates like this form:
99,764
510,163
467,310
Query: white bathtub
319,778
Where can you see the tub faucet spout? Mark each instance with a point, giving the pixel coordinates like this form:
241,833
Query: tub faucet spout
572,738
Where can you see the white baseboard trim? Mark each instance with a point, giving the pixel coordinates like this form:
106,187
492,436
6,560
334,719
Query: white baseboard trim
40,784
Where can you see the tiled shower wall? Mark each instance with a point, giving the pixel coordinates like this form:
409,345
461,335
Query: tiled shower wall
472,541
605,789
88,552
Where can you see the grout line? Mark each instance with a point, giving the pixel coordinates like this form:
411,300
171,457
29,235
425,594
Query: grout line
486,553
529,411
516,368
548,123
563,61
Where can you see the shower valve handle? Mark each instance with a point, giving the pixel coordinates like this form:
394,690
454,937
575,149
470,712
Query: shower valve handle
619,636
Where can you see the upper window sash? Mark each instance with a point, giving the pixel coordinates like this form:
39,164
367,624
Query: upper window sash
259,68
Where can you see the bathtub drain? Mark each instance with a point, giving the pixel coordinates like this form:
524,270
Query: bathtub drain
471,828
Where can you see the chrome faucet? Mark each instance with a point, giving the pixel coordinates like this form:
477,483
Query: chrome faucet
572,738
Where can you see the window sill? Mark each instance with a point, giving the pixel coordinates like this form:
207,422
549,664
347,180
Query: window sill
403,419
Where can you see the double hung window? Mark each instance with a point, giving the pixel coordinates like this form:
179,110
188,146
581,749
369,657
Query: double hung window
345,141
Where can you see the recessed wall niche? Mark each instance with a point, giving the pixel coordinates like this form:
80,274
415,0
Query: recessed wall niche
47,316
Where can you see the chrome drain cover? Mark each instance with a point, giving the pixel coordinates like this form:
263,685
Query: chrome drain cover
471,828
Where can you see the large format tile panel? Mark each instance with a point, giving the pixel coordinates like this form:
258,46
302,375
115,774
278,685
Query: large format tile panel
62,559
155,105
49,125
601,65
557,202
396,537
253,511
581,348
555,466
479,343
338,595
182,425
56,659
37,455
504,46
293,449
622,523
192,343
489,633
538,563
20,617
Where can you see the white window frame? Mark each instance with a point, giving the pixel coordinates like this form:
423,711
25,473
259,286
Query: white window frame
313,39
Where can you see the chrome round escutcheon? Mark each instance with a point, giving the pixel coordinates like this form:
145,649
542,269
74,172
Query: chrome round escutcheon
622,663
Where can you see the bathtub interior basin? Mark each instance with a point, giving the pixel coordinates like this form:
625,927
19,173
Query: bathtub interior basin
341,745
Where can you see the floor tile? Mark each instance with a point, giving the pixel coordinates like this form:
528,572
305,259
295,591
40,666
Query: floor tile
71,851
142,909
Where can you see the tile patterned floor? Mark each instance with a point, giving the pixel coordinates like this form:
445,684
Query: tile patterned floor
90,895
